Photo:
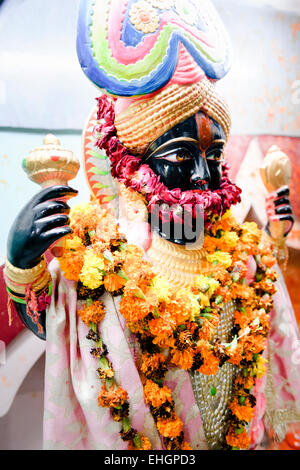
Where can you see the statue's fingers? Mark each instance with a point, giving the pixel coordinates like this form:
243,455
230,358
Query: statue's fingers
289,223
286,209
55,234
280,192
47,208
48,223
54,192
283,191
281,201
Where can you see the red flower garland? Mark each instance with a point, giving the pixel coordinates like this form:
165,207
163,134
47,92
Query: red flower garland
131,171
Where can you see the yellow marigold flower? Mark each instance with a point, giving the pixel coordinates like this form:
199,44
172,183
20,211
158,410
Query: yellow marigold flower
206,285
91,274
204,300
190,301
161,288
250,233
259,368
230,240
220,257
73,243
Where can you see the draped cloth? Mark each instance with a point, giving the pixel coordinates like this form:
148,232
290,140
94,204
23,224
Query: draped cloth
72,418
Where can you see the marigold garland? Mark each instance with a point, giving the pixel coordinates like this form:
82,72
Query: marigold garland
184,321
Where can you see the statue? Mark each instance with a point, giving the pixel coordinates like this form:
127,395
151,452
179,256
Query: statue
171,307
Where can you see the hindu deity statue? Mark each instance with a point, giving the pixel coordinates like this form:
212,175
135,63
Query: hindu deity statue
168,323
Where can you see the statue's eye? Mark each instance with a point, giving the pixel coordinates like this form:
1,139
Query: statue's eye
175,156
214,154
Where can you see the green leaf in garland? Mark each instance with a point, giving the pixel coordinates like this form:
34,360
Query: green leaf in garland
122,274
219,299
108,256
140,294
235,277
239,430
103,363
137,441
155,313
126,425
97,155
206,315
109,383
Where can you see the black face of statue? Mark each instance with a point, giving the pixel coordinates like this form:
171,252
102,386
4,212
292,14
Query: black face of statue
188,156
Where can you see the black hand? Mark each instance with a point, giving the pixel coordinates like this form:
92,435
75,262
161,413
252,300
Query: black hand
39,224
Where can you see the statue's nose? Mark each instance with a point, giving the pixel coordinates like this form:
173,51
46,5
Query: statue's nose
200,178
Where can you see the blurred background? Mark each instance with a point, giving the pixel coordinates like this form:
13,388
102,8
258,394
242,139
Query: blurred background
42,90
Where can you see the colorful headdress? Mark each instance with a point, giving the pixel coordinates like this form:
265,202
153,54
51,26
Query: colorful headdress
165,55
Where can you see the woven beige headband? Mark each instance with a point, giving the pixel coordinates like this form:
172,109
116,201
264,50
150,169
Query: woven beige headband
146,119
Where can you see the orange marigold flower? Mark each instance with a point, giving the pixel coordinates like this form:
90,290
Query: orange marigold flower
92,313
71,263
165,343
112,397
207,328
241,441
163,326
253,344
145,444
243,319
183,359
210,365
85,216
170,427
136,304
268,260
245,382
250,233
243,412
235,354
241,291
113,282
185,446
155,395
226,223
220,274
140,326
152,361
210,244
